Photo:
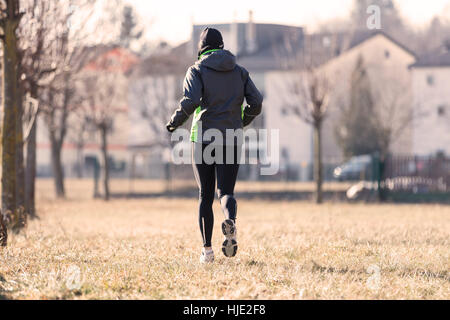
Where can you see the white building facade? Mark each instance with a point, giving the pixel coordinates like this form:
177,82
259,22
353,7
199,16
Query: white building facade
431,88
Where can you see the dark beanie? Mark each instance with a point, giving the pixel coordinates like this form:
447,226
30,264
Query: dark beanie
210,39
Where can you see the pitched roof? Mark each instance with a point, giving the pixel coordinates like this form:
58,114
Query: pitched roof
318,47
315,49
279,48
273,42
361,36
265,35
437,58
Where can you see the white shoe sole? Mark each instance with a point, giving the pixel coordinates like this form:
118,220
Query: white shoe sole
229,246
206,259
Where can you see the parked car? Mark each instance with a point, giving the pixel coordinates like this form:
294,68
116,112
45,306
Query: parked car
356,169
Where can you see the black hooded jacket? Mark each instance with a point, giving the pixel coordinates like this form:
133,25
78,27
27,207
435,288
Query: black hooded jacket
215,88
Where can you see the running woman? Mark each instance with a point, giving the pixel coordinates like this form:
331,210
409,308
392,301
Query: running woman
214,89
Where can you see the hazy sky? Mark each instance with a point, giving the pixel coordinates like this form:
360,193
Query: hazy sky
171,20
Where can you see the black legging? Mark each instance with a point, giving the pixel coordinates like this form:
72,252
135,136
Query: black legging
205,174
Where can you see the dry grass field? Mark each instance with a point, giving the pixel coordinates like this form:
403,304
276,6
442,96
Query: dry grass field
82,248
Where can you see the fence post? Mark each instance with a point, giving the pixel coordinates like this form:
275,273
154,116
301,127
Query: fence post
376,174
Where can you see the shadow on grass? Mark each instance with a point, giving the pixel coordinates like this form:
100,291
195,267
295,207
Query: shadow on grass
315,267
442,275
423,273
247,195
2,294
3,297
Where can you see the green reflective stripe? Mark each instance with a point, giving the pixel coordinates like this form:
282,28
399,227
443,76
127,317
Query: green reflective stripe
194,128
242,112
208,51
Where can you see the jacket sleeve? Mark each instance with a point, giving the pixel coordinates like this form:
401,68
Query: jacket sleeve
254,100
193,90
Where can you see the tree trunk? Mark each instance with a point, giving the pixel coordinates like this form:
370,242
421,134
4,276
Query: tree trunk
167,176
80,149
9,124
57,135
20,169
3,232
30,164
96,178
80,159
104,146
30,172
58,171
12,111
318,176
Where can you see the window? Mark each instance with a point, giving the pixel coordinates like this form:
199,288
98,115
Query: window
387,54
430,80
441,111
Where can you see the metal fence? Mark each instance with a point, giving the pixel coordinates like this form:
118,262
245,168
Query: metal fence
415,178
418,173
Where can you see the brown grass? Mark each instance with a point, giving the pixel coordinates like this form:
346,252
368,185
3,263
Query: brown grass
137,249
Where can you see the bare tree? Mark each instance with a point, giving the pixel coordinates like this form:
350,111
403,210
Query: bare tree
310,92
129,31
105,94
69,55
37,69
56,112
393,108
378,111
80,127
356,129
156,97
72,54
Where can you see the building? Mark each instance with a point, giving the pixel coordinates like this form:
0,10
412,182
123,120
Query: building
81,148
386,62
157,82
431,94
275,55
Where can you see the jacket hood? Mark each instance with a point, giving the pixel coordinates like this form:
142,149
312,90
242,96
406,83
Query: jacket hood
210,39
219,60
